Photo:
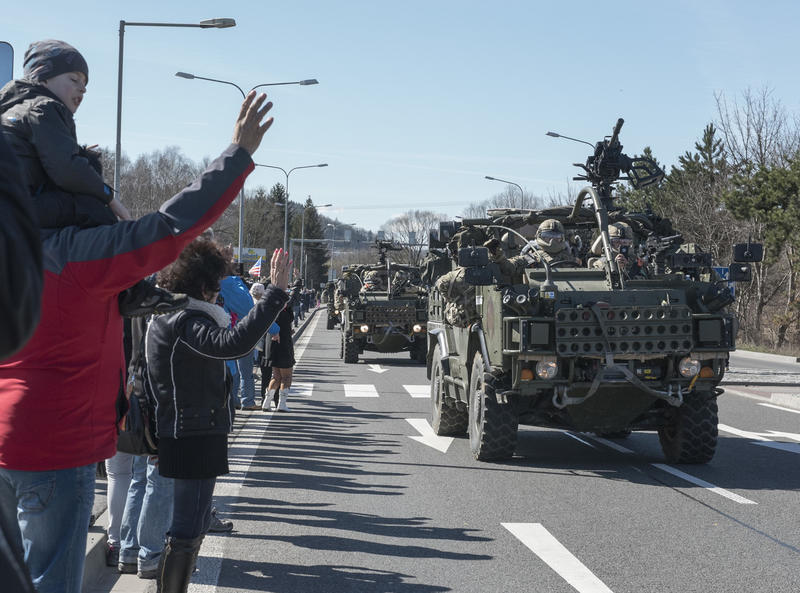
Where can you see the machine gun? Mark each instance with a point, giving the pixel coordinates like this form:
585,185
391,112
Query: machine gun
654,251
607,164
383,246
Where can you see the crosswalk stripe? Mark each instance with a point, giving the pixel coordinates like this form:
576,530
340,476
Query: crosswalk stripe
302,389
360,391
421,391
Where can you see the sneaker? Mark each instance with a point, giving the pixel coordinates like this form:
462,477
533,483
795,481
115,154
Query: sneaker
147,574
251,408
112,555
144,298
219,525
127,568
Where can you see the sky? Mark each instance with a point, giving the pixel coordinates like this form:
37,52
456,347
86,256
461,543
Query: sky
419,100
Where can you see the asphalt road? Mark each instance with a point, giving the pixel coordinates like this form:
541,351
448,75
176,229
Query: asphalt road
345,493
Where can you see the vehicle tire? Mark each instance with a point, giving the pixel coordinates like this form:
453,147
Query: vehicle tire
446,420
492,426
331,322
350,351
691,435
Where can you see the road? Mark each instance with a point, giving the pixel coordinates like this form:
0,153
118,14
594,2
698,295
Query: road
349,492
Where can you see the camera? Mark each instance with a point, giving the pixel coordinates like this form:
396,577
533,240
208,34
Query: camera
624,249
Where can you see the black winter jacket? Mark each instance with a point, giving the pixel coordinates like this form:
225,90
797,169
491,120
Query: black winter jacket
187,375
40,129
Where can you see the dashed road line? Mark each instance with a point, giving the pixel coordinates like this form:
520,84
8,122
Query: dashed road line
553,553
703,484
363,390
420,391
781,408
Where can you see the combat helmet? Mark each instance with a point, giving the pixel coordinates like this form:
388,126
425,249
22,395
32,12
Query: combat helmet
550,236
620,233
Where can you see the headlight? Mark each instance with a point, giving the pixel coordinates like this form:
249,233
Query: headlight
364,328
546,369
689,367
417,328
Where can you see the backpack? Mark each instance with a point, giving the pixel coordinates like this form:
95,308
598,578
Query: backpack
137,429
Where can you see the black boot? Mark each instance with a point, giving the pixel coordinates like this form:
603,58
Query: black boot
144,298
177,564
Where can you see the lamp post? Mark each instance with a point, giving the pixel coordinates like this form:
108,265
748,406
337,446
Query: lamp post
306,82
521,193
303,236
206,24
286,212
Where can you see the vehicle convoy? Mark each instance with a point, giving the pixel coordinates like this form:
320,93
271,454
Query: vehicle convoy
382,308
584,317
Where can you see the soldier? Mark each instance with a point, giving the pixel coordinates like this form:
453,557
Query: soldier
620,235
373,281
327,294
553,246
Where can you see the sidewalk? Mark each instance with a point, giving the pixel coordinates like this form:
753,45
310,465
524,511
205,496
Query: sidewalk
99,578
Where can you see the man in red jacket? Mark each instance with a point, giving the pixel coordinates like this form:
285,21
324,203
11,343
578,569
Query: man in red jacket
57,395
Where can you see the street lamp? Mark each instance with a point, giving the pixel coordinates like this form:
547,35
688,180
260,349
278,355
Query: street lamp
303,235
521,193
206,24
286,211
306,82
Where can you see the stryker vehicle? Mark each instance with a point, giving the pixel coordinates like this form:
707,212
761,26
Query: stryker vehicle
638,341
388,313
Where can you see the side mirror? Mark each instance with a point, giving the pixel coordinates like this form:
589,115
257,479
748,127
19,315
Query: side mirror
748,252
473,257
740,273
447,229
434,242
6,63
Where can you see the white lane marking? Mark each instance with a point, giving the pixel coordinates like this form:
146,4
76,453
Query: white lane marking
609,443
240,458
360,391
781,408
418,390
580,440
376,368
302,389
742,433
428,436
556,556
702,483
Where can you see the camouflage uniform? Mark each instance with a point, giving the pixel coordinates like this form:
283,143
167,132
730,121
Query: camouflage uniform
459,296
619,233
347,286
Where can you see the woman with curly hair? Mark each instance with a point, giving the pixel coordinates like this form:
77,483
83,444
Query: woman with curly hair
186,354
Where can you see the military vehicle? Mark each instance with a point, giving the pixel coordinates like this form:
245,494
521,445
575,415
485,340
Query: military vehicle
639,342
388,311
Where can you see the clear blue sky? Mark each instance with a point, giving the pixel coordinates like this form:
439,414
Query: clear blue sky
417,100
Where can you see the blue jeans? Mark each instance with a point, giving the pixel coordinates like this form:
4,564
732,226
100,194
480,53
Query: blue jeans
192,507
52,509
247,397
147,517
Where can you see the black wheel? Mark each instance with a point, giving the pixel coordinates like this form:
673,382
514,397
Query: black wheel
691,434
350,351
492,426
331,322
446,418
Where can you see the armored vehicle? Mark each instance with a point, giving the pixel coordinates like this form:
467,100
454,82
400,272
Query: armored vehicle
382,308
523,331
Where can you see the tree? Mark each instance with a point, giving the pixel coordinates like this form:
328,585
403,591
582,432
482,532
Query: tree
309,225
411,230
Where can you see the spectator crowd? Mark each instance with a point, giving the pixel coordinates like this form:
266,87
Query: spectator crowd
101,312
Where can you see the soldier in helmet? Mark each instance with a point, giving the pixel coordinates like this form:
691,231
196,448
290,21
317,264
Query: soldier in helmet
620,235
373,281
552,242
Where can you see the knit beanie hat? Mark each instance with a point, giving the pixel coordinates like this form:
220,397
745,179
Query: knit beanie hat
48,58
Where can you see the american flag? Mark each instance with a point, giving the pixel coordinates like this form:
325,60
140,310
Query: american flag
255,271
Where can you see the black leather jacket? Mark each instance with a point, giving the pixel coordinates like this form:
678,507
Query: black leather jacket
186,353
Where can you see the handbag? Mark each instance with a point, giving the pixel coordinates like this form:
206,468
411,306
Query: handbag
137,429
